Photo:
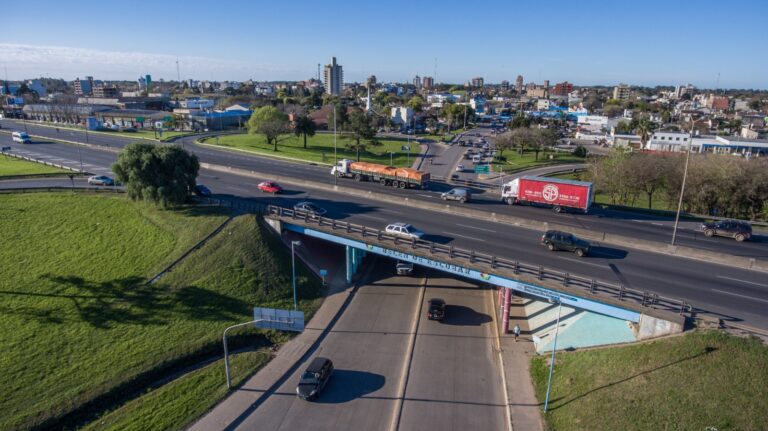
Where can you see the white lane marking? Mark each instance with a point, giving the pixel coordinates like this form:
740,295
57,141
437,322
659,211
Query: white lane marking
657,224
463,236
426,196
742,296
742,281
581,262
474,227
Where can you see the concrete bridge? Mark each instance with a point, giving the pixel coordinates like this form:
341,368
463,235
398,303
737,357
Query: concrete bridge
595,312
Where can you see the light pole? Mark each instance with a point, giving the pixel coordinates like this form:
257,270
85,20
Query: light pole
293,270
226,351
390,158
682,187
552,361
335,156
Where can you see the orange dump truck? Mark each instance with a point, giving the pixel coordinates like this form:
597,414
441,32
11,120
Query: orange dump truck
383,174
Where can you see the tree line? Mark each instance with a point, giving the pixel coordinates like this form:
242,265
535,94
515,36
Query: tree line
715,185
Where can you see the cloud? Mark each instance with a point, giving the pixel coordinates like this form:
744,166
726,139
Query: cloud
26,61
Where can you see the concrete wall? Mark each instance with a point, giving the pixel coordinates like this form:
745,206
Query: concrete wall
652,327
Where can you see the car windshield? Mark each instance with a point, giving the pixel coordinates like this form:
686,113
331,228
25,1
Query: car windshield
311,207
408,228
308,377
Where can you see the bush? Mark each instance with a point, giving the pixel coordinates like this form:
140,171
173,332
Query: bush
580,151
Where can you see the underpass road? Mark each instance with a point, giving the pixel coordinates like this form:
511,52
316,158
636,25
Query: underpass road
455,378
368,347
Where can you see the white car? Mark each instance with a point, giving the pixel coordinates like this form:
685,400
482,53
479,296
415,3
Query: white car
404,230
101,180
404,268
459,168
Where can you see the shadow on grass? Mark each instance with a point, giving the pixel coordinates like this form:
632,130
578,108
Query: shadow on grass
130,300
706,351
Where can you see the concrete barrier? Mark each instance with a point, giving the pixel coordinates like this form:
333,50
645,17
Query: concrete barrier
651,246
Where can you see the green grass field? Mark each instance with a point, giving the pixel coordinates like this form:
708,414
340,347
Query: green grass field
80,321
13,167
319,148
516,162
699,381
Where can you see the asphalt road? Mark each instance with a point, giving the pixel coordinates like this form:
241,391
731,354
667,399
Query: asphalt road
735,294
385,373
641,226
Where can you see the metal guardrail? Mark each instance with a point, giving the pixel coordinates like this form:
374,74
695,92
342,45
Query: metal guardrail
589,285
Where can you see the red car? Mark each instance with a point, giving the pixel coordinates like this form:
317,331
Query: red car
270,187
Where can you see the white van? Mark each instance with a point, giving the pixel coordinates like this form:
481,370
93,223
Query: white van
21,137
477,158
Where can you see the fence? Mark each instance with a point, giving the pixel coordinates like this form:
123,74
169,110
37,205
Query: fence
588,285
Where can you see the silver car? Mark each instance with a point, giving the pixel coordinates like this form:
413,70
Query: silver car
404,230
101,180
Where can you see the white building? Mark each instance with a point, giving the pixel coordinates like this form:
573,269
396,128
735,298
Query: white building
440,98
334,78
543,104
671,142
196,103
401,115
594,123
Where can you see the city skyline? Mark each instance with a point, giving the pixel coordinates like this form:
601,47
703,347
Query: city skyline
596,43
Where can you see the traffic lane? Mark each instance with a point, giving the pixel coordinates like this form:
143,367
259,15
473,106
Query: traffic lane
69,155
455,377
68,134
368,347
598,221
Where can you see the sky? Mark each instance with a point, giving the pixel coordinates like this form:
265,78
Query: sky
706,43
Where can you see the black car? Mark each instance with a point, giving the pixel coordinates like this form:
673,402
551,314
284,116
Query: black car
557,240
314,379
736,229
202,191
436,310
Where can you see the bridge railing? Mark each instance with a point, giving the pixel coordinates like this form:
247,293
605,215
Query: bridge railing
588,285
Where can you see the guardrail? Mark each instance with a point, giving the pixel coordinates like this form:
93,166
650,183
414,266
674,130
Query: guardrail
588,285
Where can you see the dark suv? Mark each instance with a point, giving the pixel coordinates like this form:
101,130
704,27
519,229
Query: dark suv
736,229
436,310
557,240
314,379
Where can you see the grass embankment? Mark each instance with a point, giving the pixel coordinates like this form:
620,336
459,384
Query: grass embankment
13,167
513,161
319,148
700,381
81,323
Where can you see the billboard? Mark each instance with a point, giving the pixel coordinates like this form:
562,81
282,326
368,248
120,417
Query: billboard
283,320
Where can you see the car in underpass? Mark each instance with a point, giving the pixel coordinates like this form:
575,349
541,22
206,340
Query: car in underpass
404,230
404,268
314,379
436,309
557,240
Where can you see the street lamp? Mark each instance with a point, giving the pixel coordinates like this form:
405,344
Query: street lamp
335,157
682,187
552,361
293,270
390,158
226,351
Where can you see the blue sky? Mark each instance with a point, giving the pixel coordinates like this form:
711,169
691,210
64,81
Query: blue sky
585,42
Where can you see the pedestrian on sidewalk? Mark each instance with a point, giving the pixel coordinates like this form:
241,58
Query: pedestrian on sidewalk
516,331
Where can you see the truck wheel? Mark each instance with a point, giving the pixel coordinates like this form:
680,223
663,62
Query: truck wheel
403,184
463,200
740,237
557,208
510,201
383,181
709,232
579,252
358,177
551,247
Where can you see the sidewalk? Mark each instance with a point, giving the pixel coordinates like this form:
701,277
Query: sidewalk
244,400
516,356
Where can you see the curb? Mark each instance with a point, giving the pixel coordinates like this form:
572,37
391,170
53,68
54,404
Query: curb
601,237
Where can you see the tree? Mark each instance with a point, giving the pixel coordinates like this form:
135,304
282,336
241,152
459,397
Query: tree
363,133
521,137
520,120
580,151
269,121
649,173
163,174
416,103
342,116
504,141
304,126
542,139
644,129
755,104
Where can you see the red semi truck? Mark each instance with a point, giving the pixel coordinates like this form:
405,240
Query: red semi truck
560,194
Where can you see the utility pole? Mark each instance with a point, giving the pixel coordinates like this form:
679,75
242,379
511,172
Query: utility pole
335,156
682,187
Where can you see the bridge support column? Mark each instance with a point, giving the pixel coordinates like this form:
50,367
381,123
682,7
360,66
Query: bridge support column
505,311
349,259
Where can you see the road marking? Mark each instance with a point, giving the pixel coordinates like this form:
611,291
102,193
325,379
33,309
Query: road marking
426,196
473,227
657,224
583,263
463,236
742,296
742,281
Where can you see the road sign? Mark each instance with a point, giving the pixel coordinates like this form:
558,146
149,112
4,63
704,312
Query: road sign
482,169
284,320
139,119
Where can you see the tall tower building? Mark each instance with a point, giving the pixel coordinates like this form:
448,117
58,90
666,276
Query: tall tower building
334,78
417,81
428,82
519,84
478,82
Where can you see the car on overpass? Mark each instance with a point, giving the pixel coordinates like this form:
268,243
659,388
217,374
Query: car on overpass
313,210
101,180
558,240
404,230
270,187
736,229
